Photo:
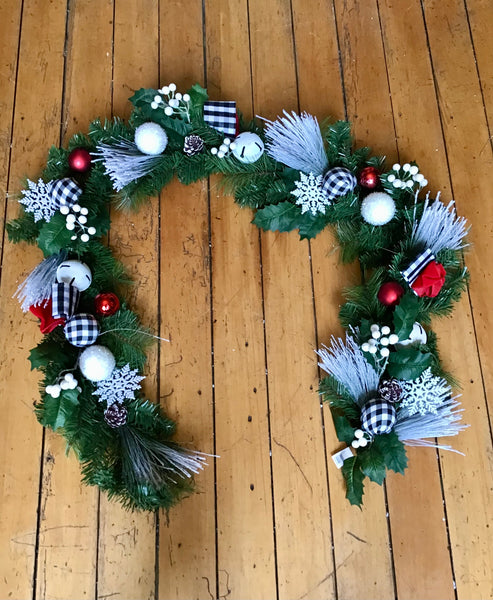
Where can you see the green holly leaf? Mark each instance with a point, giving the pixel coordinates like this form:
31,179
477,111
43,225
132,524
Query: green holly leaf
198,97
405,315
56,411
372,464
51,351
344,429
354,480
408,363
41,356
142,97
392,451
311,225
54,235
278,217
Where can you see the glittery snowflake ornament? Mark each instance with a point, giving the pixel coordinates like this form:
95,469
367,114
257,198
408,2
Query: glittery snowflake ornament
310,194
119,386
38,199
424,395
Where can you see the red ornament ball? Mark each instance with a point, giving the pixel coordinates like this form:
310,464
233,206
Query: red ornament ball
390,293
79,160
106,304
369,178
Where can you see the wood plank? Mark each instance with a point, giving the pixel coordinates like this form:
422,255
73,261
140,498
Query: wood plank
36,125
10,19
404,70
246,552
422,562
69,517
361,539
470,157
187,557
468,488
305,565
127,541
479,15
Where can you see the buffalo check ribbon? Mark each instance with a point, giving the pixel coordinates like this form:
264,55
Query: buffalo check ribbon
221,116
411,273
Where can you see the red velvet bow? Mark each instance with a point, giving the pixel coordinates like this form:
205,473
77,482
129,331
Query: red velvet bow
43,312
430,281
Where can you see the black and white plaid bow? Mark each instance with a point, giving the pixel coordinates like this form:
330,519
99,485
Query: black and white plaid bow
221,116
419,263
64,299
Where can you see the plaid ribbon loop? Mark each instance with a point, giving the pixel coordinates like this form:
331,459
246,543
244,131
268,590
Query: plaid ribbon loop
64,299
221,116
411,273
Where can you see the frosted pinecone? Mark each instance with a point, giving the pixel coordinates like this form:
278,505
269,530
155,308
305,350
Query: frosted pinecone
193,145
116,415
390,390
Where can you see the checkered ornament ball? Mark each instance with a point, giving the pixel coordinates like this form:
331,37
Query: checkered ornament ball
378,416
338,182
81,330
65,192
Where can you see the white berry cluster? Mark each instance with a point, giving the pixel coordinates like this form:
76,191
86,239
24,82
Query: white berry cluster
75,220
224,149
379,341
67,382
173,102
361,439
406,176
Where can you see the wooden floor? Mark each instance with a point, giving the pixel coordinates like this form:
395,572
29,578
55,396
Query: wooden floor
245,311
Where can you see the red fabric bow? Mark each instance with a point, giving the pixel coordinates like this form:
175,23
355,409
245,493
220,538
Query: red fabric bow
430,281
43,312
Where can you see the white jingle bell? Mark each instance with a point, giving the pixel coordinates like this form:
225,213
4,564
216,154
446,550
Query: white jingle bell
96,363
417,336
378,208
75,273
248,147
150,138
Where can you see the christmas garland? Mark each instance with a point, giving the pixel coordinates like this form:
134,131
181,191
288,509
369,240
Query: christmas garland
385,384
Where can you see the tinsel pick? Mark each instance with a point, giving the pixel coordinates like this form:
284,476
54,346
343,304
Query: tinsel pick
36,288
439,227
346,362
296,141
146,459
124,162
413,430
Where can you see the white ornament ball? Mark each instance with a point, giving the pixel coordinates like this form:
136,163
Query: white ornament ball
248,147
150,138
417,336
378,208
96,363
76,273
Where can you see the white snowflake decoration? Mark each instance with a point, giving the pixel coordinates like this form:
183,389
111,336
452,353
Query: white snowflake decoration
310,194
38,200
424,395
120,386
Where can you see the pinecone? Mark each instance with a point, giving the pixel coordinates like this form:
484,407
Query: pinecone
115,415
390,390
193,145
